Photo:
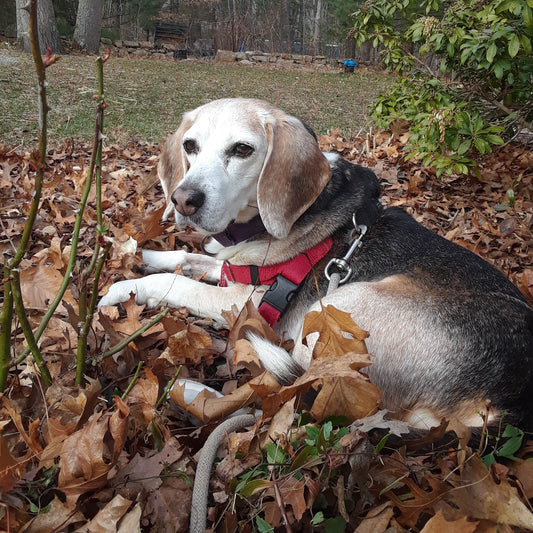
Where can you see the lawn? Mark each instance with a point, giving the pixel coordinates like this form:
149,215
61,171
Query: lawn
146,97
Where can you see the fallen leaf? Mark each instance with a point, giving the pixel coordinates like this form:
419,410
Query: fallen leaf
58,518
338,333
106,519
189,344
39,286
88,455
481,498
438,524
377,519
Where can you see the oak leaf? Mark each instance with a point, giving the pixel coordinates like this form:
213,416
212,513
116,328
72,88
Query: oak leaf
338,333
481,498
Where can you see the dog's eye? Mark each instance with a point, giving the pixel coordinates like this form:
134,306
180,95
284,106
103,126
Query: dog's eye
242,150
190,146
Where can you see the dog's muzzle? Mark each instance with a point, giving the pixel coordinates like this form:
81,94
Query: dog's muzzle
187,201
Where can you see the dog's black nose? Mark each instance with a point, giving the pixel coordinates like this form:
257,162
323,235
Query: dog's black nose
188,201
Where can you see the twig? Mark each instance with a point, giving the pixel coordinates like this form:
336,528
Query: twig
86,315
279,500
133,381
26,328
169,386
6,318
7,310
132,337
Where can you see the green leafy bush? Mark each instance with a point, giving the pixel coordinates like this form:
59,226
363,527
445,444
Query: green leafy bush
482,91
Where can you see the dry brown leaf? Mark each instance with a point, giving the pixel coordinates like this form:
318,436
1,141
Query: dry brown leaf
32,436
438,524
243,455
481,498
350,397
345,391
142,473
526,284
162,479
88,455
377,519
169,507
248,319
131,521
281,423
39,286
189,344
107,519
9,467
133,316
292,493
244,356
523,470
58,518
143,397
338,332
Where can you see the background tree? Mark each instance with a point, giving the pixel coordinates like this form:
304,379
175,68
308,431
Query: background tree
88,25
48,35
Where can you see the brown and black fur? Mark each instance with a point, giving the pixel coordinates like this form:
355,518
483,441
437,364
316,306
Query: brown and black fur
488,322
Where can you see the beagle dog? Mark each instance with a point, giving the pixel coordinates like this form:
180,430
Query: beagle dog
447,331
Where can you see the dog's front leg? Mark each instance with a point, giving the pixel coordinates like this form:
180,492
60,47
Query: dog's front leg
202,300
194,265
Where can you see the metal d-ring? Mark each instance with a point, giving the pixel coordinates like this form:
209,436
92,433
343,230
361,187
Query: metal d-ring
202,246
342,264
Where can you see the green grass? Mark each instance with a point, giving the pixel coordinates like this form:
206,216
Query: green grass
146,97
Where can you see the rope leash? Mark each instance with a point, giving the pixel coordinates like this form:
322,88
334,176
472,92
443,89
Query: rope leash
198,520
200,490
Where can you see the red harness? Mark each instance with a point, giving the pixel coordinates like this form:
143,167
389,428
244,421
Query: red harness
283,278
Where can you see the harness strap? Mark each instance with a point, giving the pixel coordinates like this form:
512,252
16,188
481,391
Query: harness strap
283,278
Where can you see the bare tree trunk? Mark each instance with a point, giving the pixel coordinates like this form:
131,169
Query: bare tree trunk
287,31
316,26
88,25
48,35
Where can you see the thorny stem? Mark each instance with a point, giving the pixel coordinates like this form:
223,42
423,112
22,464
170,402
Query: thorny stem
7,310
132,337
26,328
74,247
6,317
86,311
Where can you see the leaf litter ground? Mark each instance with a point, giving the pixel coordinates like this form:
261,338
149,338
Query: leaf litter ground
89,459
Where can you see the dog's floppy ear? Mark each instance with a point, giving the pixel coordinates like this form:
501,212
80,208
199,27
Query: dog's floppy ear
294,174
173,162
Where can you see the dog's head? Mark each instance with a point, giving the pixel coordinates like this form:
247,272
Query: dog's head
231,154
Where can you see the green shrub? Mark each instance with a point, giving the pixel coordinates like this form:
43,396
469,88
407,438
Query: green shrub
485,52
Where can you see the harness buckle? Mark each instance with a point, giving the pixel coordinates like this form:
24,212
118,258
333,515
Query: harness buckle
280,293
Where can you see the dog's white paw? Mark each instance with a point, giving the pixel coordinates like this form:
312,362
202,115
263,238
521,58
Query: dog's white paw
120,292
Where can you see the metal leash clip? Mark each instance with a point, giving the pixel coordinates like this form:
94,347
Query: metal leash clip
342,264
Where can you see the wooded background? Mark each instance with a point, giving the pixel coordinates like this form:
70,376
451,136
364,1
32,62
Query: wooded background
316,27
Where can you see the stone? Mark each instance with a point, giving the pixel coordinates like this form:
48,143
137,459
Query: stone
225,56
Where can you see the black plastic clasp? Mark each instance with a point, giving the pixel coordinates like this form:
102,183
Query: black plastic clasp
280,293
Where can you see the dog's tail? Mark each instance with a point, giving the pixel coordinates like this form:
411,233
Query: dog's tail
276,360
